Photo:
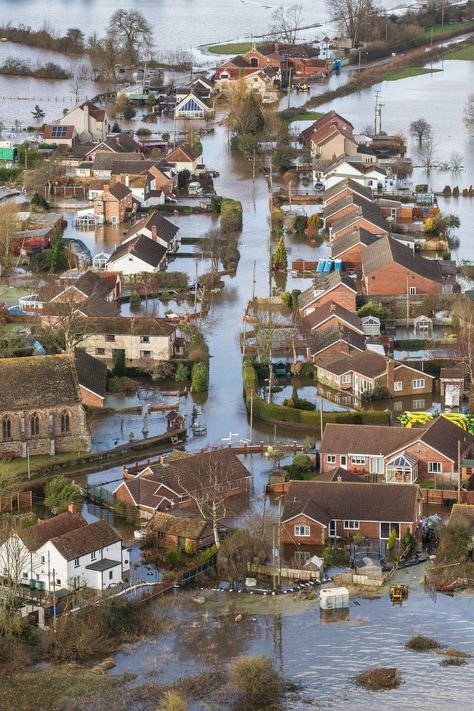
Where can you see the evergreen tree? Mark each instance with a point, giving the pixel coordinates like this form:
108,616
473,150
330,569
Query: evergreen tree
57,257
280,258
118,370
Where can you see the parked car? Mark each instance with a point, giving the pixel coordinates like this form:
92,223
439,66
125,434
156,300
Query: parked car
319,186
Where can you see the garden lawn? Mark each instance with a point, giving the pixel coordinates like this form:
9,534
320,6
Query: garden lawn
410,72
231,48
465,53
443,30
308,116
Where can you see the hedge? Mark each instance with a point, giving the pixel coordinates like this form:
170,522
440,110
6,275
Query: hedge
231,215
280,413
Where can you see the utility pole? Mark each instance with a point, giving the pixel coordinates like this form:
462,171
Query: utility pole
289,87
459,471
380,117
408,303
254,281
251,417
279,541
270,232
376,111
273,558
54,602
321,425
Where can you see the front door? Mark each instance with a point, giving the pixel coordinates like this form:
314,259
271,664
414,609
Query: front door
344,461
332,529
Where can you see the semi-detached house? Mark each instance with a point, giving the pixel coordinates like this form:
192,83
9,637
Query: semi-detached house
396,454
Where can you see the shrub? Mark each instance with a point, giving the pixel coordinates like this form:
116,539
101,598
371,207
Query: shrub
200,378
118,369
300,224
419,643
302,463
59,492
392,539
280,258
231,215
314,221
258,685
135,301
373,308
39,201
173,556
378,393
286,299
184,177
142,131
378,679
172,701
183,373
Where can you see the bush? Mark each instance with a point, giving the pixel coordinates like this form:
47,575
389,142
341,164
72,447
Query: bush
378,679
300,224
258,685
173,556
231,215
60,492
183,373
419,643
39,201
144,131
378,393
184,177
200,378
302,463
118,369
135,301
172,701
373,308
286,299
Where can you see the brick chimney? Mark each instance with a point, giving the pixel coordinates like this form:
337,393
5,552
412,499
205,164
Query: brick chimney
390,374
106,187
154,235
332,306
72,508
339,477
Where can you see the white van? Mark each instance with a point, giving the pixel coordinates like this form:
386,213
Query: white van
194,188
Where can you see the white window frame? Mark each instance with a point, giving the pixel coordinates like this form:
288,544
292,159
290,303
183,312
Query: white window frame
76,562
331,458
415,382
302,527
419,404
435,467
351,525
93,555
398,385
412,290
346,378
357,459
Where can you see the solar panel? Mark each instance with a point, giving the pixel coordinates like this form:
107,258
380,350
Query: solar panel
59,132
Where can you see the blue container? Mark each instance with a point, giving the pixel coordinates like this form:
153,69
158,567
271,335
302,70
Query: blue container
321,265
338,265
328,266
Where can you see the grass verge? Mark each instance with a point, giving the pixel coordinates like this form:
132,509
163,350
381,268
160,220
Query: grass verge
464,54
308,116
410,72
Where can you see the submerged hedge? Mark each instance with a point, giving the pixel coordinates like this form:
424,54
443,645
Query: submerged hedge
280,413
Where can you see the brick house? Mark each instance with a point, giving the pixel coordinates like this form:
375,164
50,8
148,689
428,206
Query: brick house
184,157
331,314
365,215
40,407
114,205
345,187
364,372
396,454
157,228
345,205
167,486
335,286
317,511
329,343
350,246
77,287
180,530
330,137
390,268
139,338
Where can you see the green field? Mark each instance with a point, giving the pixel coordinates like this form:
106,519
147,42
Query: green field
439,30
308,116
465,53
232,48
410,72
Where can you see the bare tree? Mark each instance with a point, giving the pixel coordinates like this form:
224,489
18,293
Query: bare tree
353,17
465,314
286,23
209,489
14,559
421,129
42,177
469,113
427,156
9,227
133,32
456,162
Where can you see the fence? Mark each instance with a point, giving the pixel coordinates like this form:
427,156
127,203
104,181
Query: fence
21,501
186,576
353,579
287,573
99,495
440,497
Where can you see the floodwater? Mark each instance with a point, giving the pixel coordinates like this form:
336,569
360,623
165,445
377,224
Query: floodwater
321,658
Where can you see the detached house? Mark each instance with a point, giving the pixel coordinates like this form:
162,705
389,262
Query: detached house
136,255
157,228
138,338
335,286
350,246
329,343
362,373
331,314
391,268
64,553
89,121
317,511
396,454
114,205
184,157
330,137
167,486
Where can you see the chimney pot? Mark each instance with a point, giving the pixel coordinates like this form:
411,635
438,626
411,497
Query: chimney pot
339,477
72,508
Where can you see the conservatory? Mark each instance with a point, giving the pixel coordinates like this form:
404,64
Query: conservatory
401,469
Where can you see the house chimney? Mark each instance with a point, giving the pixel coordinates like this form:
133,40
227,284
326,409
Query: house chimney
154,235
106,187
332,306
127,181
72,508
390,374
117,140
339,477
85,113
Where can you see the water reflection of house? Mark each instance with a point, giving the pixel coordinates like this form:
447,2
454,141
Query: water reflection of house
452,386
396,454
317,511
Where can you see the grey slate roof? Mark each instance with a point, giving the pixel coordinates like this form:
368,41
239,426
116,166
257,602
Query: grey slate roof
143,248
352,185
92,373
358,236
165,229
323,283
323,339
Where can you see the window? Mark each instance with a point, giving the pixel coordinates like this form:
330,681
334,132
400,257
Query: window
435,467
301,530
253,62
357,459
398,385
418,383
346,378
412,290
386,527
6,429
76,562
93,555
144,339
109,338
111,574
418,404
58,582
100,351
65,422
34,425
24,575
43,560
351,525
145,354
398,406
331,458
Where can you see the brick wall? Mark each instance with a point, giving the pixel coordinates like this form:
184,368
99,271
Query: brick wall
340,295
392,280
347,210
90,399
407,376
425,454
352,259
316,537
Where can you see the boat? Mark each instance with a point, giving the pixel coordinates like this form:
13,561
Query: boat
199,599
199,428
140,533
